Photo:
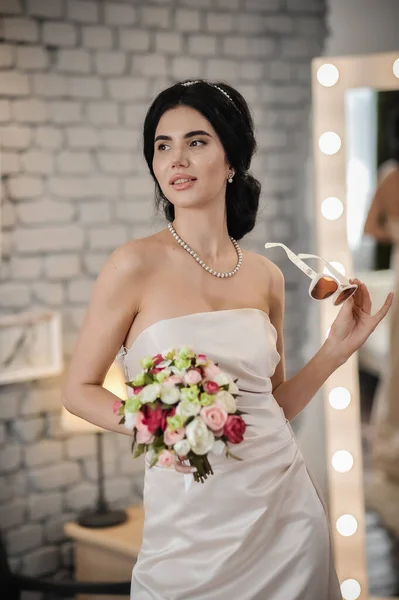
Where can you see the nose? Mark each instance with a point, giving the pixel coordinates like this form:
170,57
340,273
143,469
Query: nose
179,158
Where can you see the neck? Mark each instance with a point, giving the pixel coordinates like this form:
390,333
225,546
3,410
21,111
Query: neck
209,238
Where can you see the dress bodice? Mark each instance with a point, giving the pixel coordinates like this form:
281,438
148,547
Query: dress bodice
255,528
241,341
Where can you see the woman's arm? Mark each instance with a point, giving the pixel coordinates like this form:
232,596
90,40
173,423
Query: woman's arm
295,393
114,303
350,329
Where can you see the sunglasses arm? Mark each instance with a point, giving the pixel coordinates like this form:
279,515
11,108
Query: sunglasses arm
334,271
295,259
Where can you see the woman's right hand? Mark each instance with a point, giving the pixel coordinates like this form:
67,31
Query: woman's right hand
180,467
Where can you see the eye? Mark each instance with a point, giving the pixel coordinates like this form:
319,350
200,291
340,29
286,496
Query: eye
162,147
197,142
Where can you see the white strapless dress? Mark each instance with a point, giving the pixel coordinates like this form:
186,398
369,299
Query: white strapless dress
256,529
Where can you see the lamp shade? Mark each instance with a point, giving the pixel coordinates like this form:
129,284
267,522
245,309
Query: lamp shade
114,382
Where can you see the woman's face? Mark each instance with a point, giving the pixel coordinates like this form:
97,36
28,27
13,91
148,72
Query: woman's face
189,160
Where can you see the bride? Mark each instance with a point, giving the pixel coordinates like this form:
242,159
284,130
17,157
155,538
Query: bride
257,528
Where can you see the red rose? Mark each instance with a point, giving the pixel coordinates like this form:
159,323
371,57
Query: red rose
165,414
154,371
152,417
137,390
234,429
157,359
211,387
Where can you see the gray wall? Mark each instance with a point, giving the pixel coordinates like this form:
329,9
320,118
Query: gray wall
75,80
362,27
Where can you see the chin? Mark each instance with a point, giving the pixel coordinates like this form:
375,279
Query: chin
186,200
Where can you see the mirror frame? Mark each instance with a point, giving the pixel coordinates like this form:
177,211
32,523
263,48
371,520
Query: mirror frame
342,426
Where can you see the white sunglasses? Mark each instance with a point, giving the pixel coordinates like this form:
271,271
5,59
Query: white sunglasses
322,286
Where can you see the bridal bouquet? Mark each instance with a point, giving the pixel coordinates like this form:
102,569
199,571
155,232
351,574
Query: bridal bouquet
183,406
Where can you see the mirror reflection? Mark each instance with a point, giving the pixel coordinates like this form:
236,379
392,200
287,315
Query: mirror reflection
372,168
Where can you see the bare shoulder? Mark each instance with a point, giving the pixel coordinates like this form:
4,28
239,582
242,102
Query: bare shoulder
265,267
135,257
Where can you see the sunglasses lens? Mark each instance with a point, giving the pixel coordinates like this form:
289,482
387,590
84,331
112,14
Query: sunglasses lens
344,296
324,288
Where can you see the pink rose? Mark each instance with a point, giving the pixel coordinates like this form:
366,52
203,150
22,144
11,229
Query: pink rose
144,436
116,406
211,387
211,371
172,437
173,380
140,426
234,429
167,459
202,359
137,390
214,416
192,376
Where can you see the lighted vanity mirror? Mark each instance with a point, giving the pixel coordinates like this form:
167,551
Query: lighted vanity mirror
355,113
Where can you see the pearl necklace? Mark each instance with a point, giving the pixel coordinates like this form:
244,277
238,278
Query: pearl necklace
201,262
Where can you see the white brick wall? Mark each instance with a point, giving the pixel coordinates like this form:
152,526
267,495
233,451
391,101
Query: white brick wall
76,79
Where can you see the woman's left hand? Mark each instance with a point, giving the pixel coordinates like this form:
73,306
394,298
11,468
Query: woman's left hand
355,322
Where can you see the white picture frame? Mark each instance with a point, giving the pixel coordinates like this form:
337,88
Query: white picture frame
30,346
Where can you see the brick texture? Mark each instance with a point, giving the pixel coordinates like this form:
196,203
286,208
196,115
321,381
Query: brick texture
76,78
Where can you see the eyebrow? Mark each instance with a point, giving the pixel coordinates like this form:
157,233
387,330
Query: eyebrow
186,135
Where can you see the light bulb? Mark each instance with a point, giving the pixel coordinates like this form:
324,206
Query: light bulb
327,75
332,208
339,398
346,525
342,461
350,589
329,142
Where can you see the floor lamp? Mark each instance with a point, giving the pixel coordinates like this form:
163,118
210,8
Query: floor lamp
102,515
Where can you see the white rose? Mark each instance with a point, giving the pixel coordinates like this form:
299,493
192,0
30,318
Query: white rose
226,401
199,437
233,388
188,409
178,372
221,379
182,448
169,395
164,364
130,420
150,393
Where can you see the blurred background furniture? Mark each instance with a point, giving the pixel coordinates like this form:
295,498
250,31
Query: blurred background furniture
107,554
101,515
13,585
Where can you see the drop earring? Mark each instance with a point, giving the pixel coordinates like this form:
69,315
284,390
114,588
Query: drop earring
230,178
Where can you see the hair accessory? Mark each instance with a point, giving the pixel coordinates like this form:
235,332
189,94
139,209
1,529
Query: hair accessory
188,83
